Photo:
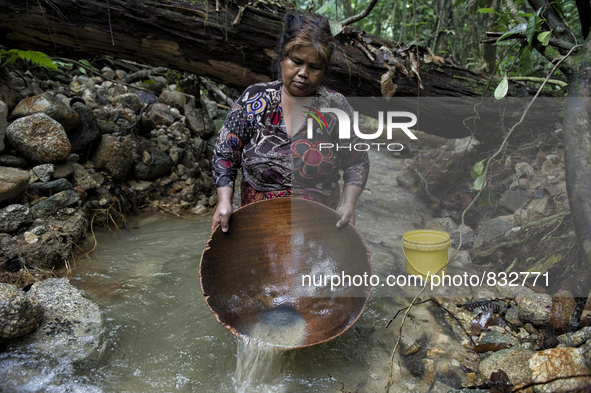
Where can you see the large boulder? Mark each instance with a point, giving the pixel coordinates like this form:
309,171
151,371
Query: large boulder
13,183
19,313
51,106
3,123
71,326
556,364
39,138
114,157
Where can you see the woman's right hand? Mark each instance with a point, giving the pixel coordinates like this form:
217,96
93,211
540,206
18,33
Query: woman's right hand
223,210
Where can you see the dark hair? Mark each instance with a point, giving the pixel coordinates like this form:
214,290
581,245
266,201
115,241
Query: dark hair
302,29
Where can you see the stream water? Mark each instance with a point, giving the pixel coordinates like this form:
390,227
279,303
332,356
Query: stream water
160,337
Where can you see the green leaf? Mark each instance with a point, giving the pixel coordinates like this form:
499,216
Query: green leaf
86,63
487,198
544,37
480,182
557,7
488,11
531,29
82,70
520,28
323,9
477,169
502,88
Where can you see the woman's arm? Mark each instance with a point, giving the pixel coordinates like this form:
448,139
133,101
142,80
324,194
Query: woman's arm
347,208
223,210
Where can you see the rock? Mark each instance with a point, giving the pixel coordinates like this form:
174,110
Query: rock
39,138
13,183
87,133
199,209
8,160
496,337
128,100
523,169
50,188
513,361
406,180
71,326
577,338
534,308
465,144
54,246
86,180
108,73
489,230
199,147
49,105
159,115
62,170
114,157
19,313
559,362
211,106
201,123
160,166
512,316
43,172
563,305
108,127
13,216
513,200
174,98
52,204
141,185
3,123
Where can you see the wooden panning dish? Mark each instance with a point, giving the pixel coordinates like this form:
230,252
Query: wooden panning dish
253,273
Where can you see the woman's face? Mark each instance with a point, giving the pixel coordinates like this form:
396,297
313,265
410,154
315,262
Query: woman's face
302,71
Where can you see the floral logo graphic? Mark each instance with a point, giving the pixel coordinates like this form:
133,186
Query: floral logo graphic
317,116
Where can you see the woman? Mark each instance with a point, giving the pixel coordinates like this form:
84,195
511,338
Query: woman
265,132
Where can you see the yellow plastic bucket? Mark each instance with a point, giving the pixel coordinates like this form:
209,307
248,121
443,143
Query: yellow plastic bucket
426,251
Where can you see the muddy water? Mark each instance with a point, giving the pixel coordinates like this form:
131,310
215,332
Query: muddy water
160,336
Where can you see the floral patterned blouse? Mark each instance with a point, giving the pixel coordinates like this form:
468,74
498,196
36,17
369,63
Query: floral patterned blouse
253,136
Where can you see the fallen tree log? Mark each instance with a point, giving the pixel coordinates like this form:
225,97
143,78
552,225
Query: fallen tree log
194,37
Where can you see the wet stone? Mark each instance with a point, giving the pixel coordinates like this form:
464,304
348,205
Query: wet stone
55,202
19,314
62,170
39,138
563,305
13,183
43,172
534,308
50,188
13,161
576,339
513,361
49,105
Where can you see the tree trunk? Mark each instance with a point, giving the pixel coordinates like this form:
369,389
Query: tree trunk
577,143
